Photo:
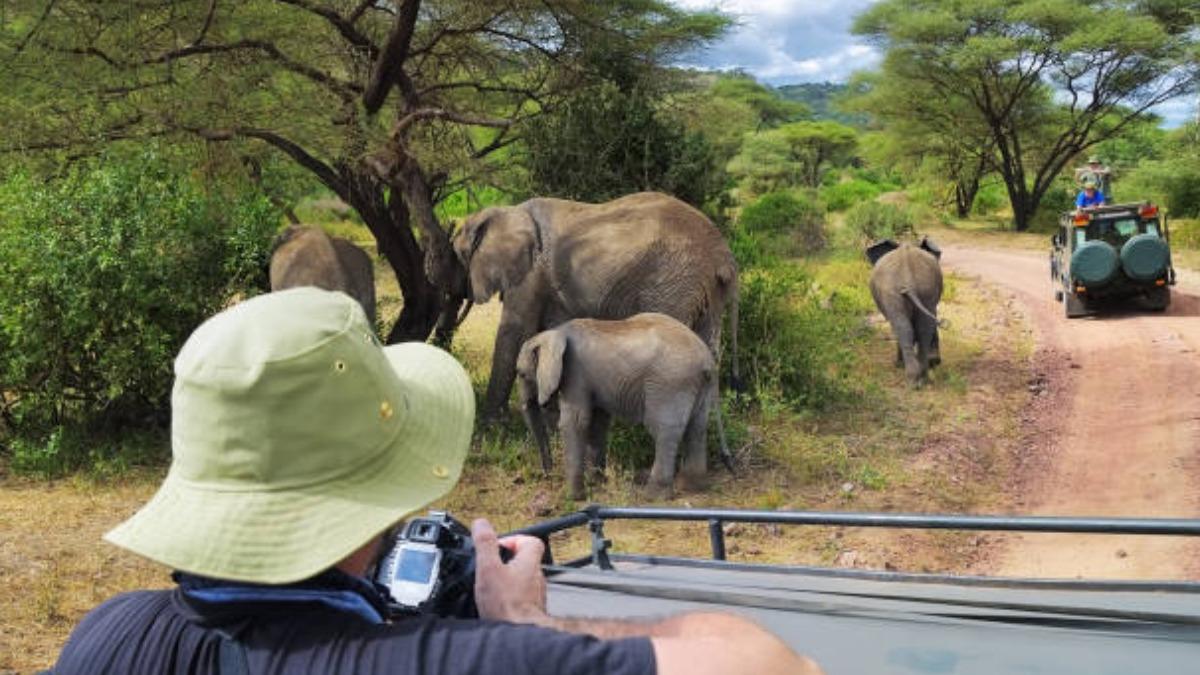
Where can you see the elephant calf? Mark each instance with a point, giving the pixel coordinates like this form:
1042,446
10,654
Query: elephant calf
648,369
906,283
306,256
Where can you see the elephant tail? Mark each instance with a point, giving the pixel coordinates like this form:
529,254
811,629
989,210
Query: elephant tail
714,398
908,293
727,277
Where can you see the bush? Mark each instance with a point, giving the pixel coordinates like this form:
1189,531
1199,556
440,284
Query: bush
1174,183
990,198
844,195
793,340
874,220
103,274
779,213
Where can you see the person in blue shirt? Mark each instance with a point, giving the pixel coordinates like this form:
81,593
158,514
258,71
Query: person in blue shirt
1090,197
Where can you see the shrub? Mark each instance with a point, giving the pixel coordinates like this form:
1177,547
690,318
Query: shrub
779,213
103,274
874,220
846,194
793,341
1174,183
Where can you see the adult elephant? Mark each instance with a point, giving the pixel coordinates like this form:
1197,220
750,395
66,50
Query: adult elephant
552,260
307,256
906,283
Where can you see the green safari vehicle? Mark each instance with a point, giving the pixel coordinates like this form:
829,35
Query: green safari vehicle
1112,253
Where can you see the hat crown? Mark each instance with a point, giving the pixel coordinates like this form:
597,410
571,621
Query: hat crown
286,389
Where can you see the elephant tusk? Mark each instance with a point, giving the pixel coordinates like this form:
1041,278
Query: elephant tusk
463,315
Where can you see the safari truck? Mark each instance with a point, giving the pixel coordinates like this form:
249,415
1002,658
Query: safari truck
1112,253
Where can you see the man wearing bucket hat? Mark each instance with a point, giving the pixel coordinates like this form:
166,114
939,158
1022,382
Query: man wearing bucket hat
297,441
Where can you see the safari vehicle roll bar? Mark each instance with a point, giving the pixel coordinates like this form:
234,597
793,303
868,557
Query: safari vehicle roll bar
595,516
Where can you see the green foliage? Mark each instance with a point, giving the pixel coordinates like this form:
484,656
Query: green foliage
785,213
606,142
461,203
825,100
990,198
770,108
103,274
873,220
795,348
843,195
1173,182
795,154
1185,233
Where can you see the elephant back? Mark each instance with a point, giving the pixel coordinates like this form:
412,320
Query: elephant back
1094,263
1145,257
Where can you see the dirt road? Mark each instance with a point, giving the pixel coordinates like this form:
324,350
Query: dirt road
1118,427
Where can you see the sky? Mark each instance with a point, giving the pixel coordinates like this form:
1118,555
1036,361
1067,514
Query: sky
792,41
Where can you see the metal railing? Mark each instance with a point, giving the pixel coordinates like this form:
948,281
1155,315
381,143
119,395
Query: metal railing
595,516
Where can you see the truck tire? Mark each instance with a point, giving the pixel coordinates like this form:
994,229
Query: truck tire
1073,306
1145,257
1094,263
1157,299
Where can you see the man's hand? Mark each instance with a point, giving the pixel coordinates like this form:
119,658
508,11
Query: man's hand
515,591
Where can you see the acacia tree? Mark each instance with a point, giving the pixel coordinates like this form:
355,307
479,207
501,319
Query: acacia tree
922,133
391,104
1048,79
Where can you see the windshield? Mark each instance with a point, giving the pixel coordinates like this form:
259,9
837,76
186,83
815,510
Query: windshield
1114,231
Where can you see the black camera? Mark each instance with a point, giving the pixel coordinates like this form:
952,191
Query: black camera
428,567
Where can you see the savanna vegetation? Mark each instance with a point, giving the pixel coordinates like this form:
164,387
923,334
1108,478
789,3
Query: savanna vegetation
152,150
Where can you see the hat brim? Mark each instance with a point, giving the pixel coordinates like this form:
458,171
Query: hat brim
286,535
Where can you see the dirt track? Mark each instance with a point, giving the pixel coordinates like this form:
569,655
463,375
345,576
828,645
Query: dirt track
1115,431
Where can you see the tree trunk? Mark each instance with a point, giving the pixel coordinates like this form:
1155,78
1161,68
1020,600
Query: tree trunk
387,216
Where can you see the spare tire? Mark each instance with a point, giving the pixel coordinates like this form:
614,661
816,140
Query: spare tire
1145,257
1094,263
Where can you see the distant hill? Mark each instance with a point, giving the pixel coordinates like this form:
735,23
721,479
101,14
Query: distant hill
819,96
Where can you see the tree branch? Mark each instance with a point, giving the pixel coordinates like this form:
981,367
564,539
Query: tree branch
390,64
323,171
208,19
415,116
343,25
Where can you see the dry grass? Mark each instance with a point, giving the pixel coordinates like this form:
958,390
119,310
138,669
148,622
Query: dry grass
946,447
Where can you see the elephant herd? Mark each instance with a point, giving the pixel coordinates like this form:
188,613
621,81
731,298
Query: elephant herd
615,310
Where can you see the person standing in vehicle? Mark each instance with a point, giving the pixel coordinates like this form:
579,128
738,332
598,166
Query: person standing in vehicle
1090,197
1097,173
297,442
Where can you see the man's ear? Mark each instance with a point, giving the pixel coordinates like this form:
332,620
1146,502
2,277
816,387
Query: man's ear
551,347
928,245
879,249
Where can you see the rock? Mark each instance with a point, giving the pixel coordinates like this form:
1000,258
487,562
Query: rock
847,487
1122,553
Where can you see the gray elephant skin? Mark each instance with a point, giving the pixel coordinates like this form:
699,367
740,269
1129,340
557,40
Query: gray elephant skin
552,260
906,283
307,256
648,369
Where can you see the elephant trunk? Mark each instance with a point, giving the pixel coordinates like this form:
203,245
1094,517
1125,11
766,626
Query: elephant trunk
535,419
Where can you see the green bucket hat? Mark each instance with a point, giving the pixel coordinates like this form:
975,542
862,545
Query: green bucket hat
296,438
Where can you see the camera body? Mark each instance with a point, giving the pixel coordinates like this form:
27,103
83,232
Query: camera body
428,567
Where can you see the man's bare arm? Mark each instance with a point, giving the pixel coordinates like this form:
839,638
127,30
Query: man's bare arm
695,643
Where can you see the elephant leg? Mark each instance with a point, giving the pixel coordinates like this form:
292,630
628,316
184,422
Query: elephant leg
902,327
899,355
926,335
666,447
597,444
935,348
573,423
694,472
509,339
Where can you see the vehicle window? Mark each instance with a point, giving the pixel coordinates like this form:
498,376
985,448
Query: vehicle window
1152,228
1081,235
1115,232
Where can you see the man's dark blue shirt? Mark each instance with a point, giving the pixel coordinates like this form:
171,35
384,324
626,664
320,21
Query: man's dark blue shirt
321,628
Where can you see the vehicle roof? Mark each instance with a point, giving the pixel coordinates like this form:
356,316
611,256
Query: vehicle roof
859,622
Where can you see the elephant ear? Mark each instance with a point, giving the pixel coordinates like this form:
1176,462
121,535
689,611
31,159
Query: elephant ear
551,347
881,248
497,246
928,245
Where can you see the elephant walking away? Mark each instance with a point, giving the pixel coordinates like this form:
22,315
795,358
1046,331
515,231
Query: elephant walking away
648,369
906,283
307,256
552,260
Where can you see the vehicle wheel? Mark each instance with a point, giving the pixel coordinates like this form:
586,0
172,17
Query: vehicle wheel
1058,296
1073,307
1157,299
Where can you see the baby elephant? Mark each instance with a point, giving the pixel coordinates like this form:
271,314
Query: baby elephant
907,286
648,369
